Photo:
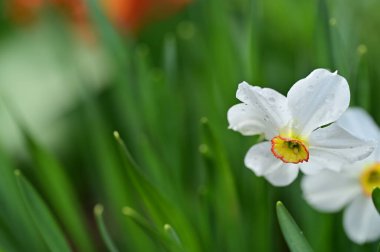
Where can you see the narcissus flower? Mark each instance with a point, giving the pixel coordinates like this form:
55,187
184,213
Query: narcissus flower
293,127
351,188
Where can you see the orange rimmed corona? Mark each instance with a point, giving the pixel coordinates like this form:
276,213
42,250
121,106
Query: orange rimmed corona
290,150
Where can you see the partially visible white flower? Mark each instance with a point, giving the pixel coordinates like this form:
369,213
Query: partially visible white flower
351,188
293,124
41,77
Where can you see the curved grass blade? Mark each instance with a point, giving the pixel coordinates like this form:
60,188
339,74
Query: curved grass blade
376,198
98,212
159,208
150,230
60,193
172,234
42,217
292,233
57,188
222,189
13,215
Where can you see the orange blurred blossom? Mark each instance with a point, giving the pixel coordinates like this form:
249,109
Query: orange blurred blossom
128,15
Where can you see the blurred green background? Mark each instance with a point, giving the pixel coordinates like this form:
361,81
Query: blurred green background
165,87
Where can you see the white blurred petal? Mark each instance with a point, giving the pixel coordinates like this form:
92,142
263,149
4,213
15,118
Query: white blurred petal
42,86
329,191
274,112
332,146
246,119
361,221
359,123
317,100
261,160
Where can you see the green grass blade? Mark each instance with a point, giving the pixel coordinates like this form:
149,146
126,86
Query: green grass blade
224,170
292,233
159,208
56,186
42,217
150,230
98,212
13,214
221,182
112,188
376,198
149,194
172,234
142,222
60,193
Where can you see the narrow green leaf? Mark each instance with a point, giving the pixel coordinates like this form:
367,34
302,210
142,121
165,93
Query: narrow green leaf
376,198
149,194
56,185
107,32
42,217
150,230
292,233
325,31
172,234
112,187
60,193
170,59
141,221
13,215
159,208
222,189
98,212
220,163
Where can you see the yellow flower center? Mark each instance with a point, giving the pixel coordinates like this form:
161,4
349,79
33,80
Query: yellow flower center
370,178
290,149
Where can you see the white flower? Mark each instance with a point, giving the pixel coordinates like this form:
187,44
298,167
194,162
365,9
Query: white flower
351,188
292,125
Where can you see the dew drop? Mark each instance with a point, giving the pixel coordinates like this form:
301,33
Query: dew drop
310,87
329,97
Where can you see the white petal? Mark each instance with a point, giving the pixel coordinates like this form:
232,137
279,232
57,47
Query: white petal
284,175
260,159
311,167
361,221
359,123
329,191
246,119
317,100
332,146
274,112
376,153
356,169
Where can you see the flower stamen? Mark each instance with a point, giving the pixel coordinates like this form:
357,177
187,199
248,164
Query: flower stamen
290,150
370,178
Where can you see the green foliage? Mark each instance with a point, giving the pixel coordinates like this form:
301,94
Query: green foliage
42,217
174,179
293,235
376,198
98,212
